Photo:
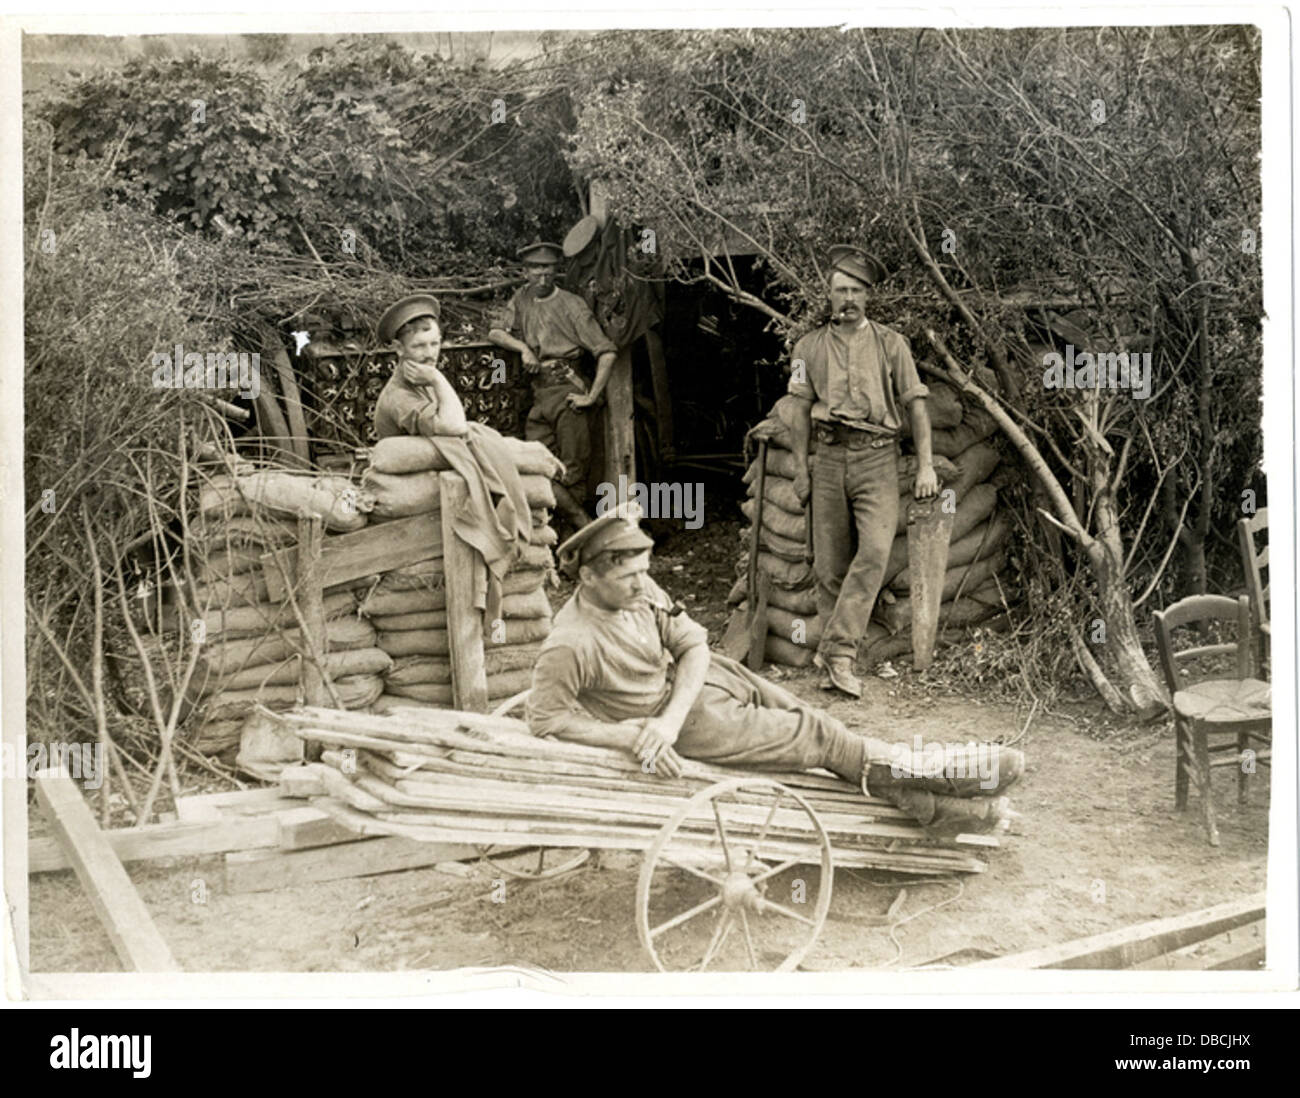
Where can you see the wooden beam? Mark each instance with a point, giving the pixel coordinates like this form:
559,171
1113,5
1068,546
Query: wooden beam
1131,945
114,898
348,557
300,781
165,840
268,870
654,346
301,828
242,802
311,595
464,622
620,445
1238,949
299,440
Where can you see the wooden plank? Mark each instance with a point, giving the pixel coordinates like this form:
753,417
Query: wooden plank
492,832
464,622
1131,945
654,346
299,781
206,806
1237,949
367,552
620,449
114,898
183,839
298,437
266,871
305,827
311,597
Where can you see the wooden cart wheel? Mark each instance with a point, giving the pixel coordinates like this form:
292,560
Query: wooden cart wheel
726,892
561,861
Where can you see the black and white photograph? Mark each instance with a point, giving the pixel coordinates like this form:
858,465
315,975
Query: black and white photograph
652,500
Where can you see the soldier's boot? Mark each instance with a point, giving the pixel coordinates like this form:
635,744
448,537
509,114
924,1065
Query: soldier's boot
947,816
953,770
839,674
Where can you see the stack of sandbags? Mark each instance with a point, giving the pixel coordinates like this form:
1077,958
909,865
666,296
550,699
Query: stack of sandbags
964,461
408,606
250,647
403,475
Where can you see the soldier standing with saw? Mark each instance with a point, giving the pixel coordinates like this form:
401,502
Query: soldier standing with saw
853,379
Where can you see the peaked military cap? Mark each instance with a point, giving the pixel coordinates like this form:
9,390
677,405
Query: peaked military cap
856,263
616,529
397,314
541,251
579,238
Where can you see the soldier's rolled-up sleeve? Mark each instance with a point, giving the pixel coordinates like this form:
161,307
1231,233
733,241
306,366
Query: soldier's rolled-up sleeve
907,382
553,699
587,332
682,634
507,319
800,382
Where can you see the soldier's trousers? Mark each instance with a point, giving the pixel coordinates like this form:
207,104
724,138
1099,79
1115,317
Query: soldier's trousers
564,431
741,719
854,503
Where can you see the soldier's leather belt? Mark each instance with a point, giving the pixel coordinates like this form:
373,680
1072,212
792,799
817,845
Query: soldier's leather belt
841,434
556,371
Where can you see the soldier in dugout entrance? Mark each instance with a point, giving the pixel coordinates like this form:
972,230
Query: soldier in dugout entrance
550,328
854,379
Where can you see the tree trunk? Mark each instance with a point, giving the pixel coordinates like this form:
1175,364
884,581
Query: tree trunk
1141,688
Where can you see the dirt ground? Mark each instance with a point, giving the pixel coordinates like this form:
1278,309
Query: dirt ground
1099,847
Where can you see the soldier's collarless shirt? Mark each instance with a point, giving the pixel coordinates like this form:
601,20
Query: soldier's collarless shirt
558,326
862,378
403,408
613,665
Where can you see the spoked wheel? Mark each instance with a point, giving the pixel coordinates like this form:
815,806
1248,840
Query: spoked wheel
543,864
707,895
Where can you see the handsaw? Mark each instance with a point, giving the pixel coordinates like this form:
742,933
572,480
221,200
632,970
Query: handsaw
758,583
929,530
737,641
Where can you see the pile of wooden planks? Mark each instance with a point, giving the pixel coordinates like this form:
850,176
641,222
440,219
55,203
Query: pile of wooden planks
271,838
458,777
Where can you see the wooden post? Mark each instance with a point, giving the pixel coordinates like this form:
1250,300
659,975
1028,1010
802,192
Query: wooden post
620,452
464,622
113,896
311,600
654,346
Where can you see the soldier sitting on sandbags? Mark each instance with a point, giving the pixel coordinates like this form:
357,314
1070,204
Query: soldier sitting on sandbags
494,518
417,400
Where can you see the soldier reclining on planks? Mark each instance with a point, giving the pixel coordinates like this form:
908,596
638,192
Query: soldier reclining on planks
623,669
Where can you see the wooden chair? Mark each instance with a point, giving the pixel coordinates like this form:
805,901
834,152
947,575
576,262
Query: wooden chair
1239,706
1255,562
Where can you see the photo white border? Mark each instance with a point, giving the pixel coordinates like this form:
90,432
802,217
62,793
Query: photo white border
493,987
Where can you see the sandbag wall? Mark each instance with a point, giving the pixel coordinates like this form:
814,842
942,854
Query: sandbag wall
248,644
975,585
408,606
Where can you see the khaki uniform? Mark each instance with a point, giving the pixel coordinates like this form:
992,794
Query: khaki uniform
557,328
860,383
617,665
